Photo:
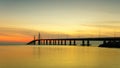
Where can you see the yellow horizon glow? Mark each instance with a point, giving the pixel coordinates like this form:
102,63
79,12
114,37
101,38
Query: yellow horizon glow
55,19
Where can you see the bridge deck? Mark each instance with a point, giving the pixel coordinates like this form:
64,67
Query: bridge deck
92,39
81,39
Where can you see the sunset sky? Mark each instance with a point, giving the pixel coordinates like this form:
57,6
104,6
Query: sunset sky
20,20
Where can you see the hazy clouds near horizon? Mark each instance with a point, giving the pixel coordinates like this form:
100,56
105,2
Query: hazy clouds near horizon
71,18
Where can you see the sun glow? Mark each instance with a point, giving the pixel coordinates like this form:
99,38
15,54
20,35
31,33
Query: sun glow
55,19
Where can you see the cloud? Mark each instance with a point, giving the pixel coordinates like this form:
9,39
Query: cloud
102,28
8,31
103,25
8,34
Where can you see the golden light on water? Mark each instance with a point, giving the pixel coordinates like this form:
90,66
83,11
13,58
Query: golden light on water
58,56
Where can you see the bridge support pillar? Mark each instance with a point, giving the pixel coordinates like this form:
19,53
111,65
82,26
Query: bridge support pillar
70,42
83,43
39,39
74,42
64,42
55,42
49,42
88,43
34,42
43,42
52,42
61,42
46,42
39,42
104,42
58,42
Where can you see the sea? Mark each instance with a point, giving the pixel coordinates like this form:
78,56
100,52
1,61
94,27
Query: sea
58,56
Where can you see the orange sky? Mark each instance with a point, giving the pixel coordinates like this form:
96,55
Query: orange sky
21,20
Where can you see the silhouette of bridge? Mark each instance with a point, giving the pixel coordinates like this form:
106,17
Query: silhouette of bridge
71,41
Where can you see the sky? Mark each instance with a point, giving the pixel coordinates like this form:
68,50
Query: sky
20,20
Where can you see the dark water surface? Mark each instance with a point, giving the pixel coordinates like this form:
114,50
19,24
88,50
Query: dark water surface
58,57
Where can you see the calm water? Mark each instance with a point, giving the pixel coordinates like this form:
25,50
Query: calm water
58,57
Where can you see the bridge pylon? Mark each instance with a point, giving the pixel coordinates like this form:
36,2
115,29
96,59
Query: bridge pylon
39,39
34,40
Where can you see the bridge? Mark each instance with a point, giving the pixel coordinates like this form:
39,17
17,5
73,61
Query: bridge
71,41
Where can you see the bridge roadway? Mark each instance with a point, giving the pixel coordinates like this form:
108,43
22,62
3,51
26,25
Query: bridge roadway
72,41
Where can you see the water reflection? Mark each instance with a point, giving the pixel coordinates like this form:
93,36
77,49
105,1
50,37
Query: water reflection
72,56
36,51
58,57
